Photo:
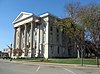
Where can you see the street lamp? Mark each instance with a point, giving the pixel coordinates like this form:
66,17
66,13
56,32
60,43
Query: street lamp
97,59
10,47
10,51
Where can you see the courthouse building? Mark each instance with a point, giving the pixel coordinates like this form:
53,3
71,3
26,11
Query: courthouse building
37,36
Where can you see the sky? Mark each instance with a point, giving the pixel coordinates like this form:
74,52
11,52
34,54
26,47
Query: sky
9,10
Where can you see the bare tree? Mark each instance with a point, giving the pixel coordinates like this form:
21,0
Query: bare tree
81,19
89,18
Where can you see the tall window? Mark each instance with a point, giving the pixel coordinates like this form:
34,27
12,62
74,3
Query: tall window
44,33
35,37
17,39
69,51
51,49
57,30
44,37
23,38
64,50
51,28
57,38
28,37
35,44
43,49
58,50
26,52
51,37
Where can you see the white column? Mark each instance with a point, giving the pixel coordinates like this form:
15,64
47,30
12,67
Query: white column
25,39
31,37
14,38
38,41
25,36
14,41
47,40
19,37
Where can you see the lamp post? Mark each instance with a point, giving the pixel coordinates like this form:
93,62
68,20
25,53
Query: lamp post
97,57
97,61
82,57
10,51
82,51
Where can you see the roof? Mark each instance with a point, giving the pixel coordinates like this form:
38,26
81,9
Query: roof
22,16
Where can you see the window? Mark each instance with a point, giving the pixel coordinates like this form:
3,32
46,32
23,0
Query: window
28,37
51,28
35,37
69,51
26,52
17,38
44,37
51,37
51,49
57,38
23,38
64,50
44,27
44,33
58,50
43,49
57,30
35,44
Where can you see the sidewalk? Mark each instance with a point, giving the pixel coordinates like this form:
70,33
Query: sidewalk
51,64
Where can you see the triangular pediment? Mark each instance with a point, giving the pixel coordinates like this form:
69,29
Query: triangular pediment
22,16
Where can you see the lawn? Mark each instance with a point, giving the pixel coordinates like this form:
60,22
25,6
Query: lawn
74,61
61,61
29,59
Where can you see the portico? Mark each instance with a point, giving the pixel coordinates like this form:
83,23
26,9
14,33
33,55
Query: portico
27,35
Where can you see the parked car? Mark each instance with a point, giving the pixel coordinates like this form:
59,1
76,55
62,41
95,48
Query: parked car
5,56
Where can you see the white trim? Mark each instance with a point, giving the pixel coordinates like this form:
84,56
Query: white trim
69,71
30,14
43,15
38,69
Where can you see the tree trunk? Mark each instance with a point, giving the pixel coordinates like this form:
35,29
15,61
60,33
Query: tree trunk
78,53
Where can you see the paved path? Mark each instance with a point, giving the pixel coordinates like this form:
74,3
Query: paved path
23,68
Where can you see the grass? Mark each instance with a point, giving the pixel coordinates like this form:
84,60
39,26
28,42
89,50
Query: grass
29,59
74,61
65,61
61,61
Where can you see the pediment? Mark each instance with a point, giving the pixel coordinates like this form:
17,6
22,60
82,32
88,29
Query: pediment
22,16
